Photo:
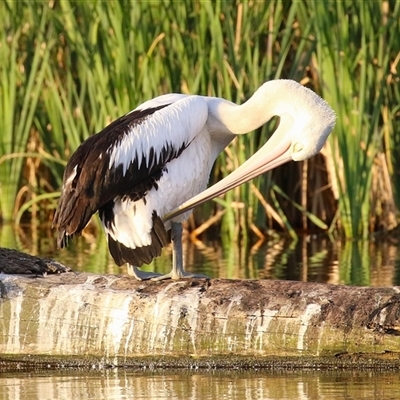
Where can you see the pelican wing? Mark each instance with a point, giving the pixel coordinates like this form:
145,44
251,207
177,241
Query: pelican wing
125,159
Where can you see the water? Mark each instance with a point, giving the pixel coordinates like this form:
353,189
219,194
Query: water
204,385
375,262
313,258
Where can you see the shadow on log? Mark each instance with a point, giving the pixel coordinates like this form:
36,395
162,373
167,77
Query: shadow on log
86,319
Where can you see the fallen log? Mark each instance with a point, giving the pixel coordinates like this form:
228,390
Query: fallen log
116,320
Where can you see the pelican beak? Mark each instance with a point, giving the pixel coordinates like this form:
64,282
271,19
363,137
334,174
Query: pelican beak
275,152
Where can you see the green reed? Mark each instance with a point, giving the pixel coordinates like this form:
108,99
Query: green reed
98,60
24,51
354,58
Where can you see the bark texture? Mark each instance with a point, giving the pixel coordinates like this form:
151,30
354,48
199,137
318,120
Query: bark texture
50,314
116,319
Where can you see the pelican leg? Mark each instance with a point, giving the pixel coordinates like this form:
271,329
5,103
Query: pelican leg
178,271
140,275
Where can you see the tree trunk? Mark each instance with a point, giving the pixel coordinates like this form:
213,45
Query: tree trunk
115,320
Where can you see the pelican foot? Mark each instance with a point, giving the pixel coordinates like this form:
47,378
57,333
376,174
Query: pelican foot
182,274
140,275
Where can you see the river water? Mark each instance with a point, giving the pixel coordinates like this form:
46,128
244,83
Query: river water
316,258
203,385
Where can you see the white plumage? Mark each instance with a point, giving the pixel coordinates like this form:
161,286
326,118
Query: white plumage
148,169
181,121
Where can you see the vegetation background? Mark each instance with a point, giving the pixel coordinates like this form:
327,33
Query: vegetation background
70,67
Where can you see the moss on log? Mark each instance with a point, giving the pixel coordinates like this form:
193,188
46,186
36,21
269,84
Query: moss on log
79,318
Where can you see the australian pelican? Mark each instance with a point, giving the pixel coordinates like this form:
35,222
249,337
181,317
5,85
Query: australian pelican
145,171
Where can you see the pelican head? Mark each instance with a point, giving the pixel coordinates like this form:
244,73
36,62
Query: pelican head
306,120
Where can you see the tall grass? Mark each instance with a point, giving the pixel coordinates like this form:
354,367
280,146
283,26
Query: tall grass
86,63
354,57
24,51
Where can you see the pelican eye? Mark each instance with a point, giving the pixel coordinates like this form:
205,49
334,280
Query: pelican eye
297,147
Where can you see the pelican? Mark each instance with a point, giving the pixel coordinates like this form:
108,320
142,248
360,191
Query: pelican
145,171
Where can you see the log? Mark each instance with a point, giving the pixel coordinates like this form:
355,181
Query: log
89,319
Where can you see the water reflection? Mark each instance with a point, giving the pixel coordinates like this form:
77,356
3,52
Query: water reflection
375,262
200,385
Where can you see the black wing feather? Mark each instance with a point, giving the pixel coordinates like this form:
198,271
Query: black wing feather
95,184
